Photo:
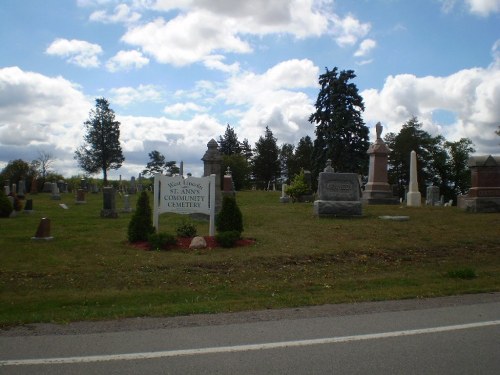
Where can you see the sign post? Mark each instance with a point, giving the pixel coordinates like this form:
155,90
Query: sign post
184,196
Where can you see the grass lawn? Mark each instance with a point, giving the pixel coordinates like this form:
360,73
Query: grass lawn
89,271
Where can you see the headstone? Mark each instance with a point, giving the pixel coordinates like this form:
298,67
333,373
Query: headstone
13,189
28,206
413,197
126,203
94,189
339,194
80,196
132,188
33,187
378,190
6,190
21,189
109,203
284,197
47,187
484,194
12,203
432,196
55,192
212,164
83,184
228,185
43,231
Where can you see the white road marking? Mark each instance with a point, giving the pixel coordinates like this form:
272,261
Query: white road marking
241,348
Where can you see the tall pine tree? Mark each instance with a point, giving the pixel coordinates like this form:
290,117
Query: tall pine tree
341,134
266,162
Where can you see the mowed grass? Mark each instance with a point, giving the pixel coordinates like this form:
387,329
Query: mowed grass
89,271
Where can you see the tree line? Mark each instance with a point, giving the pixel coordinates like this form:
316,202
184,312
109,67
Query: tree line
340,135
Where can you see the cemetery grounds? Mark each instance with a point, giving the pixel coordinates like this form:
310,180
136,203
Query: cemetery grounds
89,271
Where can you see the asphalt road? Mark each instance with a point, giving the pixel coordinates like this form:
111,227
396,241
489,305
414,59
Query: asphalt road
452,335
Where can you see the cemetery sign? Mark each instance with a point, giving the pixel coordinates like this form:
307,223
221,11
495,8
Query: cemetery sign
184,196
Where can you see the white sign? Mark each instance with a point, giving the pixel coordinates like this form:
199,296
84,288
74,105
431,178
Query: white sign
184,196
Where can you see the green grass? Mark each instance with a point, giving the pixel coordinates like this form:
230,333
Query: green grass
89,271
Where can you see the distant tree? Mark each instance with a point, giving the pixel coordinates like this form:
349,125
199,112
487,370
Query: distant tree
16,170
45,160
240,170
229,144
158,164
246,150
266,164
101,150
459,153
287,162
303,154
341,134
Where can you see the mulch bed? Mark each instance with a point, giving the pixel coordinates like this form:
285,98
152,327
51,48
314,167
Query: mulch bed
184,242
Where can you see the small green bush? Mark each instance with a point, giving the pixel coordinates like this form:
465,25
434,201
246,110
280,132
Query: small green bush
229,218
465,273
227,238
141,223
161,241
186,229
298,187
5,205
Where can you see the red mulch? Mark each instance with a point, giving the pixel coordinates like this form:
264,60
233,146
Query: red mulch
184,242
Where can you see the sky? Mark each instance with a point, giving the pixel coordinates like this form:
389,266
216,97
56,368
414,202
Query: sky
177,72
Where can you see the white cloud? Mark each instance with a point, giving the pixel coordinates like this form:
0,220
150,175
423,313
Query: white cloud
365,47
78,52
471,95
483,7
124,96
179,108
348,30
126,60
122,14
214,62
40,112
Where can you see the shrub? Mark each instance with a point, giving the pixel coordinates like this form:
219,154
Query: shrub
227,238
298,187
186,229
465,273
141,223
229,218
5,205
159,241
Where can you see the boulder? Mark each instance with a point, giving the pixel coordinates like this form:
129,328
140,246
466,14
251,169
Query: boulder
198,243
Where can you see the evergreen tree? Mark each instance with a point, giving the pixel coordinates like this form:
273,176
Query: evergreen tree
287,162
341,134
229,144
266,163
158,164
246,150
101,150
141,223
303,154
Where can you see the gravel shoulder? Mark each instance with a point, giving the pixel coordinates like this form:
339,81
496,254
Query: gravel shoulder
147,323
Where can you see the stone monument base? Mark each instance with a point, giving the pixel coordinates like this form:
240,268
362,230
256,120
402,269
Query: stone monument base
337,208
482,204
413,199
112,214
379,197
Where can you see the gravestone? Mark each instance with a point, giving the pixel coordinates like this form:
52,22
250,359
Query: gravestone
413,197
6,190
284,197
28,206
484,194
33,187
432,196
109,203
126,203
80,197
378,190
83,184
43,230
55,192
212,164
339,194
21,189
47,187
228,185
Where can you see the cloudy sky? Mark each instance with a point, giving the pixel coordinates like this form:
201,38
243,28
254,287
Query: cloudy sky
176,72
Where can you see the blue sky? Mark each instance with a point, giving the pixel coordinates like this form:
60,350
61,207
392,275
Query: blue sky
177,72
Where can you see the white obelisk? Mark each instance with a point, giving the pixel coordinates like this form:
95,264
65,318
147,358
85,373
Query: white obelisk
413,198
